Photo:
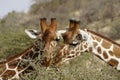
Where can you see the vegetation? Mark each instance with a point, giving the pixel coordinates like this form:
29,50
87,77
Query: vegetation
85,67
102,16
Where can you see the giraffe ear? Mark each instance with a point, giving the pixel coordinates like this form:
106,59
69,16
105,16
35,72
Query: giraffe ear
32,33
60,34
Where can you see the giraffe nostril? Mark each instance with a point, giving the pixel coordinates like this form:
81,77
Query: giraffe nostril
57,39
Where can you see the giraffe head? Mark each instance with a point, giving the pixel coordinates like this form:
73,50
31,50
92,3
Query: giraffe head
48,32
71,35
72,38
48,35
75,42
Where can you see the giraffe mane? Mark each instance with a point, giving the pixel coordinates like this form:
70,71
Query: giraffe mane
19,54
103,37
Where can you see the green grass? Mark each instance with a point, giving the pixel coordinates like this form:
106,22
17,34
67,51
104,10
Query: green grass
13,42
85,67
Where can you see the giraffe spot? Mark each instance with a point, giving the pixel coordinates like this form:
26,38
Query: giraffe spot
106,44
111,53
90,49
12,67
81,47
9,72
77,53
73,56
95,44
77,48
99,50
113,62
64,51
13,62
69,57
105,55
72,52
116,51
97,38
85,46
59,54
20,68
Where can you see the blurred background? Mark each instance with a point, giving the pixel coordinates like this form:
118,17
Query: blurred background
101,16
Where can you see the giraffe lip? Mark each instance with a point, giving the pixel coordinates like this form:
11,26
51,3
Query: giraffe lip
74,43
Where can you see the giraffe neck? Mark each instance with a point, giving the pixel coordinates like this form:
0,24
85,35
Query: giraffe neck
104,48
14,66
67,52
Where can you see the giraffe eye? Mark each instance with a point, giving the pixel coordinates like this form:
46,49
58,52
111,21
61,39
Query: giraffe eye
79,37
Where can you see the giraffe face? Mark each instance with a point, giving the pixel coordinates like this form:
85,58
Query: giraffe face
72,35
69,49
48,32
49,36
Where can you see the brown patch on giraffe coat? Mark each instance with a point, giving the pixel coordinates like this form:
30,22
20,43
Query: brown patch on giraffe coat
111,53
106,44
116,51
113,62
105,55
85,46
95,44
64,51
12,67
77,53
14,62
73,56
8,72
97,38
72,52
69,57
90,49
81,47
99,49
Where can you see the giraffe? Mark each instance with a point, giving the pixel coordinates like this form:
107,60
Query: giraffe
12,67
66,51
89,41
